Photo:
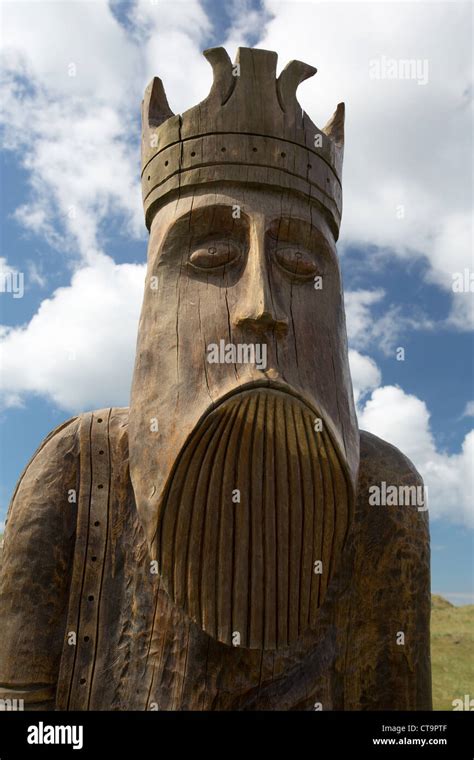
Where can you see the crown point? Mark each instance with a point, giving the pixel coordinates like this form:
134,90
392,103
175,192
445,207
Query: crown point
290,78
216,54
223,81
335,126
156,108
257,63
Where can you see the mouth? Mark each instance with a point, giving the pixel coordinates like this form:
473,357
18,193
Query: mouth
277,386
270,384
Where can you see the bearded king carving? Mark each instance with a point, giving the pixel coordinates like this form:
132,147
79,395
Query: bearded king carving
220,550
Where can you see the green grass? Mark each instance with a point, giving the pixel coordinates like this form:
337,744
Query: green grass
452,659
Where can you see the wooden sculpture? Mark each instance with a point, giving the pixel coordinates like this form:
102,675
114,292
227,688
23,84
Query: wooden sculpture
214,546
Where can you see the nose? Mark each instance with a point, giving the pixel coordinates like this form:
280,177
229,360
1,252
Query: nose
257,310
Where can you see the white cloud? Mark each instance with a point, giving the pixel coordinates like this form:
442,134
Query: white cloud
462,313
41,40
78,349
78,136
80,172
247,22
403,420
400,418
171,37
358,315
365,374
36,274
469,409
365,331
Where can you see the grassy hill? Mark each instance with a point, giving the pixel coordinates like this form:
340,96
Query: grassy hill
452,658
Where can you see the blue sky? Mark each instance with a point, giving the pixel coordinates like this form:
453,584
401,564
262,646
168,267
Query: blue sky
72,224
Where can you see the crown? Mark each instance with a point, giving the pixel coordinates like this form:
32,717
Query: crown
250,129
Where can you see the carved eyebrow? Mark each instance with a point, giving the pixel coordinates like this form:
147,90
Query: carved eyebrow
200,221
298,231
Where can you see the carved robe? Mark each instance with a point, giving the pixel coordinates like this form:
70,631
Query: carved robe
86,623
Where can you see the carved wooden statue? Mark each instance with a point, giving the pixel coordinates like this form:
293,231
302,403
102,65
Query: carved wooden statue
214,547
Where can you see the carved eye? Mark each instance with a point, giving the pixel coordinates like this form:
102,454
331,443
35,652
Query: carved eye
297,262
215,255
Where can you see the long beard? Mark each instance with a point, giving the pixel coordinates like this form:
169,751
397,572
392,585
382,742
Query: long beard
253,520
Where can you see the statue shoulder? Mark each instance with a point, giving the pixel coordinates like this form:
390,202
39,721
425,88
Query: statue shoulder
53,464
391,490
50,480
380,459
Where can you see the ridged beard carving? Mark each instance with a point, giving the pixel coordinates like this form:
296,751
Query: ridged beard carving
248,567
